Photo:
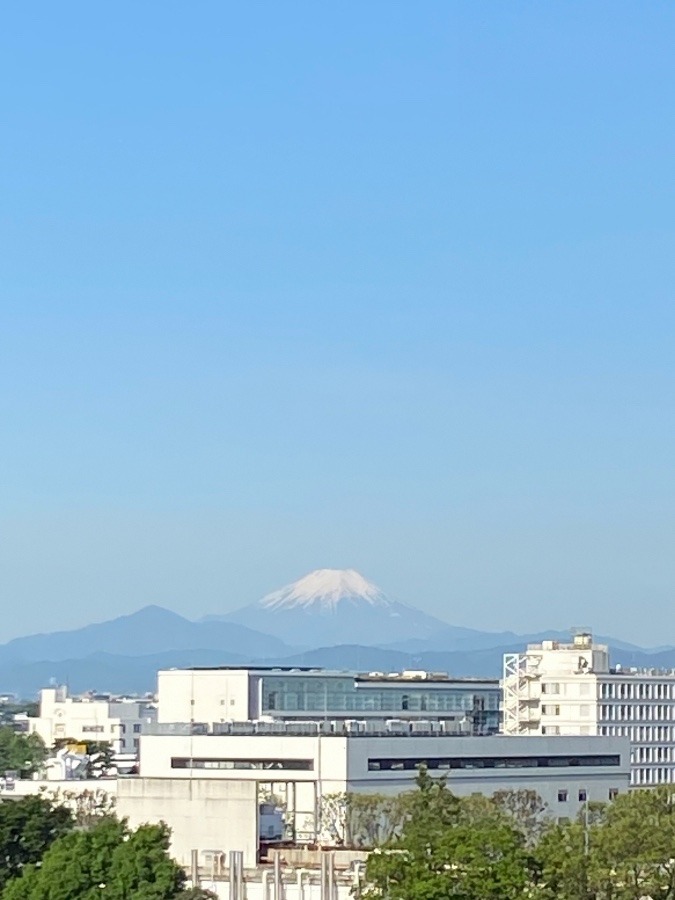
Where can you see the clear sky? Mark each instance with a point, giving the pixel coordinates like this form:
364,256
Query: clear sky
386,285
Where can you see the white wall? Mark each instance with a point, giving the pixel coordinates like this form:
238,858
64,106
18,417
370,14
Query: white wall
328,756
208,695
203,814
341,763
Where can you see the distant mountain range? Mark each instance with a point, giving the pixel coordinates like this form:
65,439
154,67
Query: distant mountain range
330,619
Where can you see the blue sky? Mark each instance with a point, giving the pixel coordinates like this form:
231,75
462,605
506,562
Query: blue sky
382,285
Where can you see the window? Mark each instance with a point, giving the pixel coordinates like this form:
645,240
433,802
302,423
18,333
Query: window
491,762
551,687
137,729
183,762
562,796
549,710
582,796
97,729
613,793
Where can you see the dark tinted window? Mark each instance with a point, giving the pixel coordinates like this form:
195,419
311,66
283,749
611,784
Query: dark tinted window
493,762
185,762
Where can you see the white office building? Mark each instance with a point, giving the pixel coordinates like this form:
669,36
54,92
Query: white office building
118,721
571,689
197,780
230,694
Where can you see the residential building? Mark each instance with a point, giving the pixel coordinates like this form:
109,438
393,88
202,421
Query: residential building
118,721
227,694
567,689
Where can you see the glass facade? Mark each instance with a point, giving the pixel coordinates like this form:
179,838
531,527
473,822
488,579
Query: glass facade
348,697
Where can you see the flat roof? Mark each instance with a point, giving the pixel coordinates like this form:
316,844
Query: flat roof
382,677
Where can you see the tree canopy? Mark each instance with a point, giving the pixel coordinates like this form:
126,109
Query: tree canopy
28,827
106,862
22,753
450,849
503,848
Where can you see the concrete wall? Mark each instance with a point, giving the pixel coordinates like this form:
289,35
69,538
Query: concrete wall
202,814
208,695
327,757
26,787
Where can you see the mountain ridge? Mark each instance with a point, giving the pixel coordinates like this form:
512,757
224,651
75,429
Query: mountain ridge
150,629
318,621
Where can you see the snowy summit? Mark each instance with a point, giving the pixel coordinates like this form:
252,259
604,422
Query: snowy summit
326,589
335,606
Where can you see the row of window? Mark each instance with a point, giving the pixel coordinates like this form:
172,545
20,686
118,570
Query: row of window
660,775
563,796
553,687
188,762
342,695
629,690
552,709
638,690
642,734
653,754
492,762
639,711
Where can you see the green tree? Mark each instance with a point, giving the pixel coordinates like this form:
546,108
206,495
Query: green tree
142,868
449,849
362,820
28,827
108,862
632,853
564,863
22,753
100,758
526,810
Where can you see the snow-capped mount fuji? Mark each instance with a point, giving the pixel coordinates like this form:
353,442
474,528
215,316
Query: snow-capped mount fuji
335,606
326,589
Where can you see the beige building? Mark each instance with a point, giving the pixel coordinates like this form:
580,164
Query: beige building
566,689
114,720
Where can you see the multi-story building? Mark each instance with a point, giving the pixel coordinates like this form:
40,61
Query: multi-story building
200,782
565,689
118,721
230,694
